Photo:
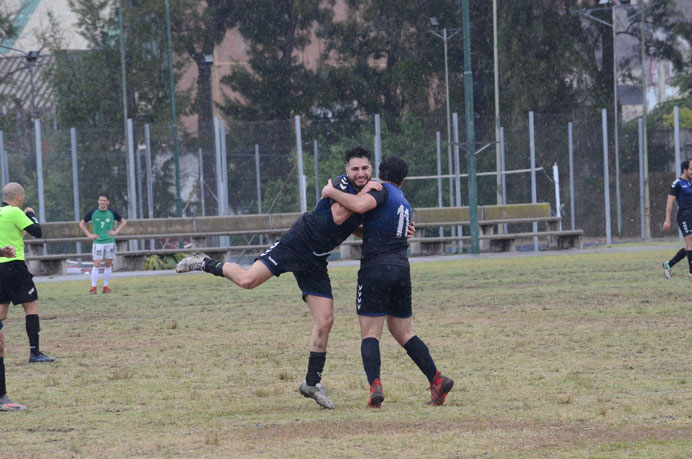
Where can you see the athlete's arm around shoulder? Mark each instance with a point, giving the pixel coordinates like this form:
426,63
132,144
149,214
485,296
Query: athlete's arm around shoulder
358,203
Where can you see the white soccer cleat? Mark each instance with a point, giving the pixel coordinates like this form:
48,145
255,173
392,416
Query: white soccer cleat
318,393
194,262
667,270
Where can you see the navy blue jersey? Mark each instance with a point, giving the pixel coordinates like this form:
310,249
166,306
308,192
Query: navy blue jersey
385,228
317,228
682,190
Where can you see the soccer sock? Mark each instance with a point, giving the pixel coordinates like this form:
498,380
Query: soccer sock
3,388
94,276
315,367
420,354
107,275
370,351
689,259
678,256
214,267
32,330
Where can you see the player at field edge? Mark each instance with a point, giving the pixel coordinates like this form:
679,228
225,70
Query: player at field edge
303,250
16,283
680,191
384,278
104,231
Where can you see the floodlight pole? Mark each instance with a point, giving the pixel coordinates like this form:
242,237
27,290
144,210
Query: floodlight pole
470,129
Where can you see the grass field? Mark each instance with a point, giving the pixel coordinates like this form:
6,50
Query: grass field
570,355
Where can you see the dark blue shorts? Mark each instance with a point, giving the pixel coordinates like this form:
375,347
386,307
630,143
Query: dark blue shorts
384,289
291,254
685,223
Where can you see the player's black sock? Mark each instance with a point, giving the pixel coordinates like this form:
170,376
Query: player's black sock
3,388
689,259
370,351
420,354
214,267
32,330
315,367
678,256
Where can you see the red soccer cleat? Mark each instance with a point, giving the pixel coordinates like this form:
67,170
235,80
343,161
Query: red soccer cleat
106,289
439,387
92,291
376,395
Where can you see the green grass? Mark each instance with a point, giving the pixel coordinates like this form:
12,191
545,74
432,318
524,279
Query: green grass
571,355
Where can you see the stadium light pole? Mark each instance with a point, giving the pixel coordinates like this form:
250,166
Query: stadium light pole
470,128
174,120
446,36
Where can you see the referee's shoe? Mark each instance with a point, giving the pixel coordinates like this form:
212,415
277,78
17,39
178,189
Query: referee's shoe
40,357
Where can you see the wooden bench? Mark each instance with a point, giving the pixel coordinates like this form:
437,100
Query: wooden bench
212,235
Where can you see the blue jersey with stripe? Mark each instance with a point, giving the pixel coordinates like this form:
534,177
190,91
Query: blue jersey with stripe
317,228
385,228
682,190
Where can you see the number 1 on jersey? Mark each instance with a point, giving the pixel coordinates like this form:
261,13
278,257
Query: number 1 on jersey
404,217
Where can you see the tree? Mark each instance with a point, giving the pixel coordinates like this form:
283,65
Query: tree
276,85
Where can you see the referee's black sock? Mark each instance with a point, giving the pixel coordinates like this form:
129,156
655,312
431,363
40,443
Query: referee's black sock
420,354
315,367
32,330
214,267
3,388
370,352
678,256
689,260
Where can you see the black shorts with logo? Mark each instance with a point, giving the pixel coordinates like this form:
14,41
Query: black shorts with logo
685,223
16,283
291,254
384,289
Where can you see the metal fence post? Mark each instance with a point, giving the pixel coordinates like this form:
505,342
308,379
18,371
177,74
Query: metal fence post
502,169
75,182
642,189
131,183
219,175
224,167
676,135
150,185
439,173
457,172
558,205
3,161
606,178
39,172
532,149
301,176
200,161
572,216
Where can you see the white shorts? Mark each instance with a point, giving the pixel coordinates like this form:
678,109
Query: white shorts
103,251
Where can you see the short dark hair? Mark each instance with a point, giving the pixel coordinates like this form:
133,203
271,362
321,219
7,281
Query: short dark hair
684,165
356,152
393,169
105,195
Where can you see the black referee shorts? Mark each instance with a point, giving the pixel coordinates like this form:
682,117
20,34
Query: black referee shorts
384,289
291,254
16,283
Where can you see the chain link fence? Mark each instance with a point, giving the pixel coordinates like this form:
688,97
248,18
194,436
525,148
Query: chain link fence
253,167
